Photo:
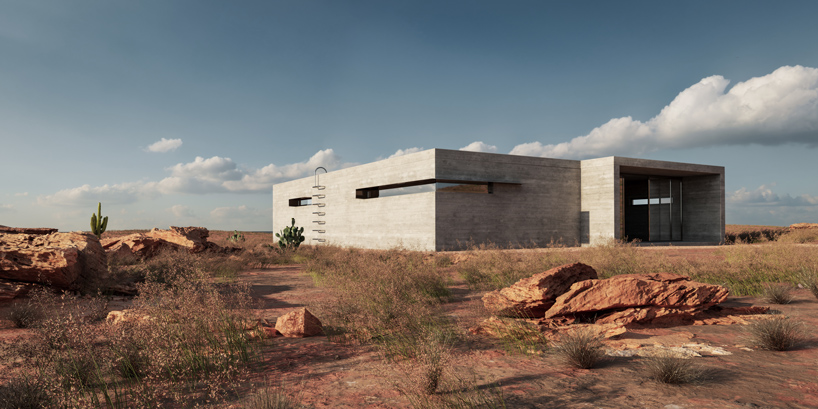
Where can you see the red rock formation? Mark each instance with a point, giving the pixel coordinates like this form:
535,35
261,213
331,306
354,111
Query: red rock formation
634,298
194,238
299,323
27,230
13,289
58,259
531,297
148,244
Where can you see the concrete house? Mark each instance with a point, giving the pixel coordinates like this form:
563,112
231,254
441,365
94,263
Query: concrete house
442,199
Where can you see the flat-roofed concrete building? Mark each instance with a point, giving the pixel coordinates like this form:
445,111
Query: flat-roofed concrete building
442,199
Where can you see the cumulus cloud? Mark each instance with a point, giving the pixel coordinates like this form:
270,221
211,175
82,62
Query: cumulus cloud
180,211
764,196
164,145
774,109
87,195
23,194
236,213
264,178
479,146
401,152
202,176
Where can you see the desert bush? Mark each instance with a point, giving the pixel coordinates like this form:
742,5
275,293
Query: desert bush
752,234
460,393
799,236
808,277
520,336
25,314
377,293
24,393
270,397
778,293
746,269
669,368
581,348
196,330
487,267
777,333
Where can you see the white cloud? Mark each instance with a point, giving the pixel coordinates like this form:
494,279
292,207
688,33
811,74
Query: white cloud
23,194
263,179
764,196
164,145
202,176
180,211
86,195
6,207
401,152
479,146
238,214
777,108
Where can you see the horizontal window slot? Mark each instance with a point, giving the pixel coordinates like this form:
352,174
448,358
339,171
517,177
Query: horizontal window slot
300,201
427,185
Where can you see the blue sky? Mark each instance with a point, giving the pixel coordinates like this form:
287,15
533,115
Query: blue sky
187,112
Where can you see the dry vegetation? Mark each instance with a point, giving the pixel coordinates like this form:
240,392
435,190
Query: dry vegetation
195,349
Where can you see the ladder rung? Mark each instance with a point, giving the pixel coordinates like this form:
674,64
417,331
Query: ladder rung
319,196
320,231
319,221
320,213
320,240
319,187
319,204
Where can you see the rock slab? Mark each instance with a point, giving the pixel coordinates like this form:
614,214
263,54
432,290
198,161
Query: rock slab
145,245
57,259
299,323
634,298
531,297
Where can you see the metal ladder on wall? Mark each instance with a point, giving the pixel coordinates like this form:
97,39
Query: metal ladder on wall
320,213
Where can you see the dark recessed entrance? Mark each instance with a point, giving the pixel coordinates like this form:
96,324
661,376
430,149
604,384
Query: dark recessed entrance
651,208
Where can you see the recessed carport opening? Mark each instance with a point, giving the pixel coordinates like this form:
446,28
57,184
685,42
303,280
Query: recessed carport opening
653,204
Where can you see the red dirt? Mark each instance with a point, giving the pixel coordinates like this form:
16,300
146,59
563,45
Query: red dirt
328,375
323,374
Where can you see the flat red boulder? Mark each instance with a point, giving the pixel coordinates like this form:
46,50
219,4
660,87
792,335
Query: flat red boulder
635,298
531,297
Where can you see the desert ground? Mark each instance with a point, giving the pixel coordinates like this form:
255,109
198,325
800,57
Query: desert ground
399,331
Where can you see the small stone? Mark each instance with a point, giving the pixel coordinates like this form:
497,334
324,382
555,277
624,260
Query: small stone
299,323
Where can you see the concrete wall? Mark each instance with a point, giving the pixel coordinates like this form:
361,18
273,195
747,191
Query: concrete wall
535,201
600,201
703,208
539,204
381,223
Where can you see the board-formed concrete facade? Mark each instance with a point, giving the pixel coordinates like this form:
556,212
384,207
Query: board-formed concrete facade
445,199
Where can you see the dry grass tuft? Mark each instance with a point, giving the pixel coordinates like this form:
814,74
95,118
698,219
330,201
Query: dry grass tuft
778,333
779,293
23,393
671,369
581,348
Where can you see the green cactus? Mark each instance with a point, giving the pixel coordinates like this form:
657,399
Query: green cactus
98,224
290,236
236,237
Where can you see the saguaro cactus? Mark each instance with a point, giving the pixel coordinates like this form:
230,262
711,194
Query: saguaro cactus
98,224
290,236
